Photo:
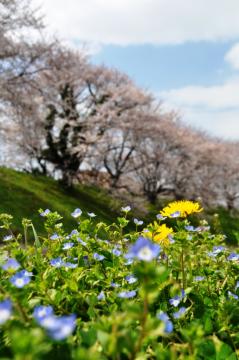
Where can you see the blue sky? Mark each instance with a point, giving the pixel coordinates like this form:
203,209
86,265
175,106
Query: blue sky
185,51
164,67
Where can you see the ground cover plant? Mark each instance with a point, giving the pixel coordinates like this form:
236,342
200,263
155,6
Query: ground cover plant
168,290
23,194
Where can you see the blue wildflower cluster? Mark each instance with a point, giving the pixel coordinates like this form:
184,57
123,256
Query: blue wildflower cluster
103,292
58,327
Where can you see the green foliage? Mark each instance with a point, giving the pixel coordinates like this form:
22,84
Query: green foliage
123,310
224,221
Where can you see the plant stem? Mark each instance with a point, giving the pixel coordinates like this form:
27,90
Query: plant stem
143,330
183,270
21,311
25,235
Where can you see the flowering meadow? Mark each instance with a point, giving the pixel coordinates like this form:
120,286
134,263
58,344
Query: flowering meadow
167,290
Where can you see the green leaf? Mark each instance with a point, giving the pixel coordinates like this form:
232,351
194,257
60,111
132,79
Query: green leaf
36,238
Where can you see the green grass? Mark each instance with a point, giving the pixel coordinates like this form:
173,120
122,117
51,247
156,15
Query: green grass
22,195
223,221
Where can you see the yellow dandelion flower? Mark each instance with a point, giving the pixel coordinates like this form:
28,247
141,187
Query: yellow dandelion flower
162,234
181,209
148,234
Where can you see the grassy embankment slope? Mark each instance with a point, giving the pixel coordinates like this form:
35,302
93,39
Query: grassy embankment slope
21,195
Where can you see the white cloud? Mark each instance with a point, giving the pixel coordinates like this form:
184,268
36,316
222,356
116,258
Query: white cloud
232,56
125,22
214,108
224,124
214,97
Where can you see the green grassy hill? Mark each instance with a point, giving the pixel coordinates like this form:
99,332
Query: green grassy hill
22,195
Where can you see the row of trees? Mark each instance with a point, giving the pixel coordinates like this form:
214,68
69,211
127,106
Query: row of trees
67,118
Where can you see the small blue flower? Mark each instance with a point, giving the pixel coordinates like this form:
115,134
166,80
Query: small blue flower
63,327
40,312
129,262
178,314
70,265
168,325
175,214
7,238
114,285
233,257
127,294
175,301
91,214
68,246
144,249
76,213
202,228
98,257
45,212
197,229
101,296
199,278
48,322
231,295
116,252
74,232
20,279
60,327
131,279
81,241
57,262
160,217
5,310
138,222
126,209
216,250
163,316
11,264
190,228
55,236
